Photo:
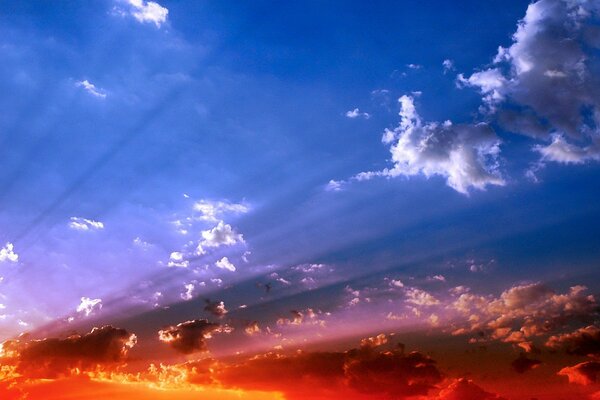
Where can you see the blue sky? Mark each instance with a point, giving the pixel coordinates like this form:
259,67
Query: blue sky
115,127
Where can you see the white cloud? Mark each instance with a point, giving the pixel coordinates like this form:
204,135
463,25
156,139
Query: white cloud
220,235
189,290
176,260
88,306
357,113
7,253
91,88
84,224
334,186
559,150
448,65
420,297
465,154
545,85
148,11
213,210
224,263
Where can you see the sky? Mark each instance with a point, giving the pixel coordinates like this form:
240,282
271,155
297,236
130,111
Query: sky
307,200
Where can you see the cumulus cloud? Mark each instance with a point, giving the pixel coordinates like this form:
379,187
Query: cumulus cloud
7,253
89,306
84,224
91,88
464,154
190,336
224,263
148,12
585,373
176,260
420,297
526,312
220,235
104,347
357,113
546,84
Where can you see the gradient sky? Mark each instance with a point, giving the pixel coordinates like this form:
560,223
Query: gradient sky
270,196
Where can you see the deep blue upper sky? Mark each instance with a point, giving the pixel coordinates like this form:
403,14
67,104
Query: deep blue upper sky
246,102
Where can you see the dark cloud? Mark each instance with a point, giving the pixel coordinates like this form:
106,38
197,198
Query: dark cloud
523,364
584,341
365,370
391,373
190,336
47,358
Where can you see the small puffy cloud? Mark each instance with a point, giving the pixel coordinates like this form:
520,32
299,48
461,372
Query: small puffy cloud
465,389
448,65
216,308
84,224
104,347
220,235
357,113
176,259
297,318
91,89
213,210
420,297
190,336
224,263
465,154
7,253
374,341
585,373
148,12
334,186
89,306
414,66
252,328
188,294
